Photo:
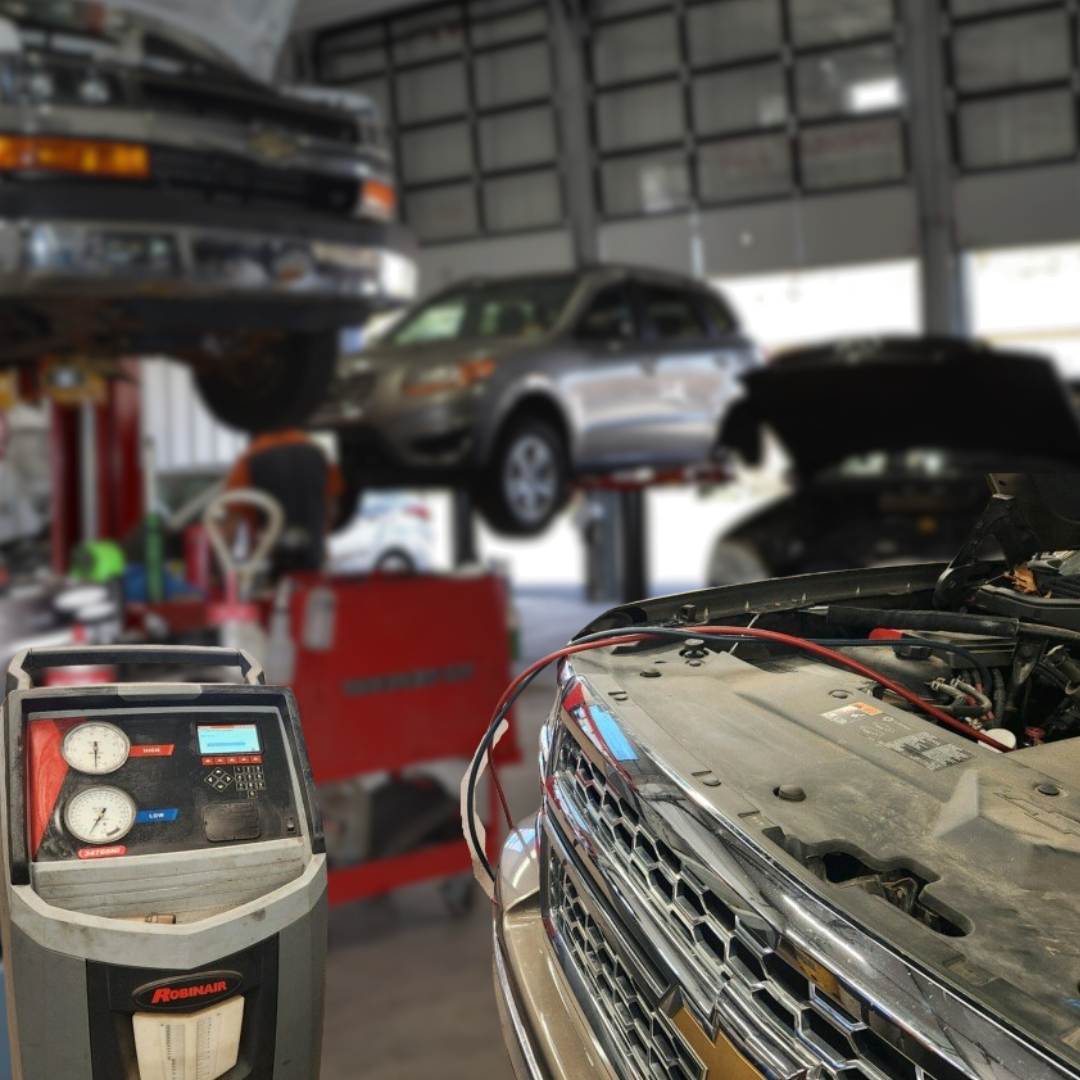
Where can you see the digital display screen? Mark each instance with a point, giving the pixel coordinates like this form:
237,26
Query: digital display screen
229,739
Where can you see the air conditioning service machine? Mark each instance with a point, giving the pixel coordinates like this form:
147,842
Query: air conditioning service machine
163,907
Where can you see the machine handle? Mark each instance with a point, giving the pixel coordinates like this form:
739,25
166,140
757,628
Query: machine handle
19,676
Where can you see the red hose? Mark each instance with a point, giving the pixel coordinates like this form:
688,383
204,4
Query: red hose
783,639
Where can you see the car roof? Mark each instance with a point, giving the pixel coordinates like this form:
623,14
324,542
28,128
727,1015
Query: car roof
598,271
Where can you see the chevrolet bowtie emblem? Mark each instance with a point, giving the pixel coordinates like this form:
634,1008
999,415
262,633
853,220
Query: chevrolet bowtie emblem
273,145
721,1058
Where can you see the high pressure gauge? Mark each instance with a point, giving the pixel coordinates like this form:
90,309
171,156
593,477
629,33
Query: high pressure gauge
96,748
100,815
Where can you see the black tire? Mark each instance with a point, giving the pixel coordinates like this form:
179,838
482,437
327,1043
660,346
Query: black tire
528,443
396,561
280,389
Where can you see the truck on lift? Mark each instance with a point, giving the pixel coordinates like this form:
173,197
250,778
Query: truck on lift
158,195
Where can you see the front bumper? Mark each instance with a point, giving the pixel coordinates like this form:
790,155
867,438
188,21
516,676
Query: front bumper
391,437
167,261
547,1037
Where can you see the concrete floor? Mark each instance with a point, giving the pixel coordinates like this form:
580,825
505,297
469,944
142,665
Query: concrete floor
409,990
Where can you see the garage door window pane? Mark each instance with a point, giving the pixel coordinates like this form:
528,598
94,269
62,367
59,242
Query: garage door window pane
358,38
739,100
641,117
349,65
495,31
744,168
635,50
512,75
650,184
1015,130
608,9
849,82
430,20
511,140
721,32
818,22
447,213
378,90
850,154
983,7
439,153
445,40
431,93
1012,52
514,203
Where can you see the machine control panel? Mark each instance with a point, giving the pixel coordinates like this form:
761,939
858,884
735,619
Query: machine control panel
120,782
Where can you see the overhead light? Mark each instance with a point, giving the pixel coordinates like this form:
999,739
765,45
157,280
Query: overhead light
874,94
83,157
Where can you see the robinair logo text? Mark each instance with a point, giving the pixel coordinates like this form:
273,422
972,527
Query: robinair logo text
163,993
188,991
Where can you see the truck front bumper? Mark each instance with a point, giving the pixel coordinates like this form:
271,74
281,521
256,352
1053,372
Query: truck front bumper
546,1034
143,246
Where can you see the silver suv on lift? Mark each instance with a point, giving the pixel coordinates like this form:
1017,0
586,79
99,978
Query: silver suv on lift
510,387
158,196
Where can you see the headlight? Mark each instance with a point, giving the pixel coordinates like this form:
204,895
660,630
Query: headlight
398,276
39,85
41,80
94,90
450,377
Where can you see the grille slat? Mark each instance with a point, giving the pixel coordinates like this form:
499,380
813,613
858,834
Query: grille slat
842,1038
646,1036
219,178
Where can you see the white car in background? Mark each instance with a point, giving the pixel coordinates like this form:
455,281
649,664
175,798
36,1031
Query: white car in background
392,533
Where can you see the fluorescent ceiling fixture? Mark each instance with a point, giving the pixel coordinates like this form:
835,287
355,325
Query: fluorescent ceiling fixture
874,94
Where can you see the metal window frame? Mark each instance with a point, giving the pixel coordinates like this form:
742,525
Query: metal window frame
958,98
794,125
466,14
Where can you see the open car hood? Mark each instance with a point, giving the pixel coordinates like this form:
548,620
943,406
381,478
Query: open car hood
830,403
1047,508
251,33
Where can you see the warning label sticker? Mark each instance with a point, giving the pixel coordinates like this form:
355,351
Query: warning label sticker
923,747
929,751
856,711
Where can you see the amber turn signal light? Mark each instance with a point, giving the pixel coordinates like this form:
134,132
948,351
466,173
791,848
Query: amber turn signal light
379,200
80,157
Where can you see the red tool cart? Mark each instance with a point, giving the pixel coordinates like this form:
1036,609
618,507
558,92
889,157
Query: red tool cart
392,673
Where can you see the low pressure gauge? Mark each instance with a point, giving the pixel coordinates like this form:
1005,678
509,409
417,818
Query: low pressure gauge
96,748
100,815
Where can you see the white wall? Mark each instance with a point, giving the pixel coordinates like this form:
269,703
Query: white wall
185,435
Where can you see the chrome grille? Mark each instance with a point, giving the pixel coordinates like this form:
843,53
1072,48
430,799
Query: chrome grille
843,1039
651,1045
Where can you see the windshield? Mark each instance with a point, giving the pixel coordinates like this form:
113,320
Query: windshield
115,26
522,308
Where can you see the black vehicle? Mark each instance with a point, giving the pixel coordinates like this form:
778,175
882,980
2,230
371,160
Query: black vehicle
158,196
849,416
